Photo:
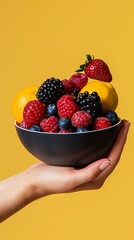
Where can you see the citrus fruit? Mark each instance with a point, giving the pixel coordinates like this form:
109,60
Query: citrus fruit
106,91
21,99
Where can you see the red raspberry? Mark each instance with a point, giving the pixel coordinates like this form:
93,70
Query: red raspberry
33,113
101,122
66,107
81,119
23,124
68,86
50,124
64,131
79,80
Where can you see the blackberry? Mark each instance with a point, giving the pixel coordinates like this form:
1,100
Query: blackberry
75,92
90,103
50,91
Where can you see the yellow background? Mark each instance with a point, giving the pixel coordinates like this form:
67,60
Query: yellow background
41,39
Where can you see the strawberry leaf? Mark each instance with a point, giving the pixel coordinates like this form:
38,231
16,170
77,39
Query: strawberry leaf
88,57
79,70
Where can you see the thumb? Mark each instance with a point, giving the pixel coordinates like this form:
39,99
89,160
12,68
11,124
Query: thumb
90,172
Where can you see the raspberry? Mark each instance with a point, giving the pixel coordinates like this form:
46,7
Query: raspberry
64,131
79,80
101,122
68,86
50,124
81,119
66,107
33,113
23,124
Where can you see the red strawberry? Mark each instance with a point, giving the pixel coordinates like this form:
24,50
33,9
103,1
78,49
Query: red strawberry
68,86
96,69
33,113
81,119
50,124
101,122
66,107
79,80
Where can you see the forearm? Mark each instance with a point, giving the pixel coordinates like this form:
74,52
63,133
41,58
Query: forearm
15,193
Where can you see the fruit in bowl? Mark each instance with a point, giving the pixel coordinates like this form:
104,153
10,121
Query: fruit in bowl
71,122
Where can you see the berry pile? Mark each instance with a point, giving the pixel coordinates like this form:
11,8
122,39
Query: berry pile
62,108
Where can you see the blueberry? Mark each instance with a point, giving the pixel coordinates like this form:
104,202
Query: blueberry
81,129
52,110
112,116
35,128
64,123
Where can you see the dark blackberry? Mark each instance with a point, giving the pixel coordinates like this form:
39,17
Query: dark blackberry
90,103
50,91
75,92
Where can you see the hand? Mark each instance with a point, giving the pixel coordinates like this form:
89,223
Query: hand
46,179
41,179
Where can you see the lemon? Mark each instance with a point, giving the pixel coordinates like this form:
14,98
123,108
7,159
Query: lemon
106,91
21,99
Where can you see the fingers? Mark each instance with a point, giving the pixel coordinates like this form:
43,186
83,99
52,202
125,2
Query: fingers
117,148
95,174
90,172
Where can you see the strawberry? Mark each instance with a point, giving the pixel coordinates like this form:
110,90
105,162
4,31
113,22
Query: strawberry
96,69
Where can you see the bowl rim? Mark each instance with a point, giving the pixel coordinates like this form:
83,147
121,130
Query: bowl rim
70,133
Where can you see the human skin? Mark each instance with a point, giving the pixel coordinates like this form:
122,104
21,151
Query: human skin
41,179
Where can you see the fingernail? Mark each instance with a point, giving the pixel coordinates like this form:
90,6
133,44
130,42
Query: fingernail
104,165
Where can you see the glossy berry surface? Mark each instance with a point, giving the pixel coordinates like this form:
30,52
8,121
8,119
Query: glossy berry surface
64,123
81,129
112,116
50,91
90,103
52,110
98,69
35,128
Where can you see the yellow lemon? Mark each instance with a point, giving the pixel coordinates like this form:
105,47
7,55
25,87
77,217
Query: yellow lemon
21,99
106,91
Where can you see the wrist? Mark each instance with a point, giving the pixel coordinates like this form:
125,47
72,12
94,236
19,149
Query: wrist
35,188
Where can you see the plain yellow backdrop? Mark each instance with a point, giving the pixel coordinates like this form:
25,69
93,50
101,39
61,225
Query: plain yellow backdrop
41,39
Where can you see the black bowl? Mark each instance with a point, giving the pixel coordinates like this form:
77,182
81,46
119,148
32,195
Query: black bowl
69,149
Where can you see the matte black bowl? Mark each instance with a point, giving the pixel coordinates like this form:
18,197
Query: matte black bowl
68,149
